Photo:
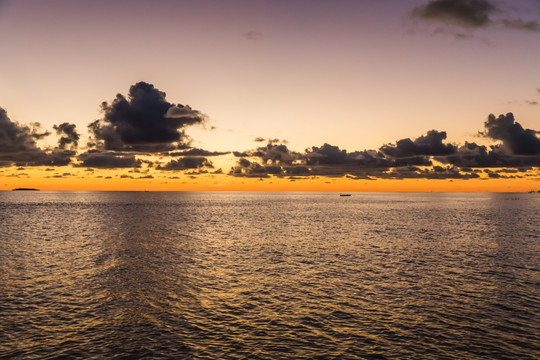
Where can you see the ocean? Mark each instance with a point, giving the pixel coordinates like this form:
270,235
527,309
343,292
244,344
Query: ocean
214,275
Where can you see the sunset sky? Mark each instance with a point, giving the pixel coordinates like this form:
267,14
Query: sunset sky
270,95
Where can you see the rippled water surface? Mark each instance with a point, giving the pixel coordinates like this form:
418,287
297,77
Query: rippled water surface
269,275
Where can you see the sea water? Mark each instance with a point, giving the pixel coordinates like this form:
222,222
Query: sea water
190,275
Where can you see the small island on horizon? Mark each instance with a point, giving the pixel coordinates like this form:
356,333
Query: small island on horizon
25,189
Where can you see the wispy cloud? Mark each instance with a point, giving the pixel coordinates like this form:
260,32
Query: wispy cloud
253,35
470,15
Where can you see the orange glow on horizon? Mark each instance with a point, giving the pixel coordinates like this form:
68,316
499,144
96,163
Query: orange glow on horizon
118,180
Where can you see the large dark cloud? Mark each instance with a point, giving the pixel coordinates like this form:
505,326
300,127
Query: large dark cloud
187,163
15,138
144,121
428,145
518,140
469,13
18,146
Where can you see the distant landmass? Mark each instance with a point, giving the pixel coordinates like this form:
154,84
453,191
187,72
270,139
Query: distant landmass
25,189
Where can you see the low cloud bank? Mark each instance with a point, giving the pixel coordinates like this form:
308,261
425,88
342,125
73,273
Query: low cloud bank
144,125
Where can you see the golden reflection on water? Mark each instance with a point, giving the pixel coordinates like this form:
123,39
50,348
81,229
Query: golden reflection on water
268,275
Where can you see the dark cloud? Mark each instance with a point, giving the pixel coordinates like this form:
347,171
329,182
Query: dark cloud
501,174
531,102
144,121
246,168
468,13
333,155
518,140
14,138
56,157
327,160
108,160
259,139
69,138
198,152
240,153
471,14
406,159
18,145
244,162
272,154
298,170
472,155
187,163
430,144
35,129
519,24
433,173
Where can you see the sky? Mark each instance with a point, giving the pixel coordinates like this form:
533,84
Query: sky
419,95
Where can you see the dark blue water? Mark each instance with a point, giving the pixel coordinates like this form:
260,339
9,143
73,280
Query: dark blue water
269,275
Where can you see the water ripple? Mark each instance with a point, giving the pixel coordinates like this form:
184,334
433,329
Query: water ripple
269,276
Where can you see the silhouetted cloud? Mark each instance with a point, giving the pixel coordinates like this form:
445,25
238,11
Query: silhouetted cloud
108,160
240,153
531,102
468,13
429,144
406,159
433,173
15,140
246,168
471,14
333,155
186,163
144,121
501,174
271,153
198,152
18,146
472,155
519,24
327,160
518,140
68,136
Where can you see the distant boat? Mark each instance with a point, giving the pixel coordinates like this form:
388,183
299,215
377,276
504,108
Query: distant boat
344,194
25,189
